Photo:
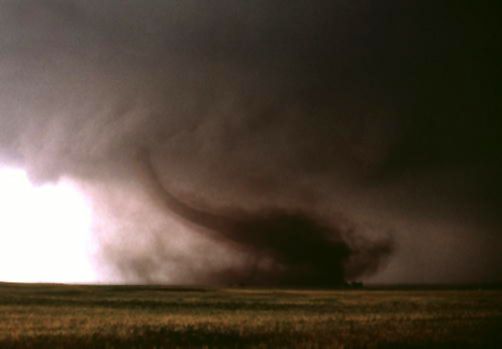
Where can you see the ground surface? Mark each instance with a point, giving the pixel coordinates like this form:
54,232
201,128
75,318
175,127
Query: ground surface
56,316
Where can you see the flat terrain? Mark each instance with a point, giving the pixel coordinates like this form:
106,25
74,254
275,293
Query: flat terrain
59,316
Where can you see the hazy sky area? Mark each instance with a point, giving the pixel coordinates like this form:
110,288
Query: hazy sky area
253,142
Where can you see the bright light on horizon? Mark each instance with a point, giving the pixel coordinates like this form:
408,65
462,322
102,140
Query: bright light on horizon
45,231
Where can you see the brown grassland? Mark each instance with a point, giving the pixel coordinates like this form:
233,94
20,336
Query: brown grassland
69,316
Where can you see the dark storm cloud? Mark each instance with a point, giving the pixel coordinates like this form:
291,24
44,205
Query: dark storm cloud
289,114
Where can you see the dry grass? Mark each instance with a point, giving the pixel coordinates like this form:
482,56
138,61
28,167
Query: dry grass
56,316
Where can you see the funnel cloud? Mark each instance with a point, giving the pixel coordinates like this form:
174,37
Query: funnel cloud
301,250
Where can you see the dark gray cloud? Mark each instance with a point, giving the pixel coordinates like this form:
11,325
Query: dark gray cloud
355,120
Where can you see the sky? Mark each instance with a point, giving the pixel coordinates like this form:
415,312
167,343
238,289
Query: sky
257,142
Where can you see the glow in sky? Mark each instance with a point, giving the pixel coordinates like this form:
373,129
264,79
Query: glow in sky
45,231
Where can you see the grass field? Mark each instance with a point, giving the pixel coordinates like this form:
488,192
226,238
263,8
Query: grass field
59,316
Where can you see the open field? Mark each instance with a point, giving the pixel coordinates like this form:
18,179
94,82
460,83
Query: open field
57,316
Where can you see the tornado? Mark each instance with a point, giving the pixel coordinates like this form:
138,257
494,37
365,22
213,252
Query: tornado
303,250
